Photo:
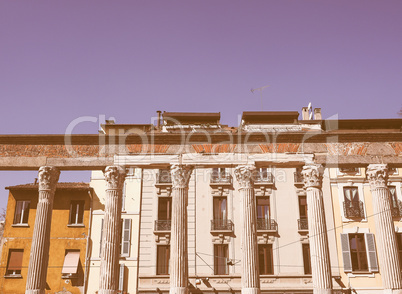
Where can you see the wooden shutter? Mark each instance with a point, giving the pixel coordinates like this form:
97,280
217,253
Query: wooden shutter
371,252
121,277
101,236
126,237
347,260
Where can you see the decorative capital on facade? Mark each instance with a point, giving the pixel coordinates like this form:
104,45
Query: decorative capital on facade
312,175
377,174
48,177
114,176
180,175
244,175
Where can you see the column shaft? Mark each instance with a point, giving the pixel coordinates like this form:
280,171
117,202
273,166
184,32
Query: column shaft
386,241
111,238
250,268
319,249
178,245
39,256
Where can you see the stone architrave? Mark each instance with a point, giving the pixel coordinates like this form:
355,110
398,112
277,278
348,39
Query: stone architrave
178,245
111,238
39,256
319,249
377,174
250,276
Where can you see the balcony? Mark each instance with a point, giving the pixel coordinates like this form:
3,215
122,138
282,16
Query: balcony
263,177
221,179
298,179
164,177
162,225
353,209
302,225
266,225
396,209
219,225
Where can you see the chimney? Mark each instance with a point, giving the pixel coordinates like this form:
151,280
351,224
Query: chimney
305,113
317,114
158,125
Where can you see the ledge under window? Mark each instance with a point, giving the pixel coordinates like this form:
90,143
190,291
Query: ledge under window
20,225
17,276
76,225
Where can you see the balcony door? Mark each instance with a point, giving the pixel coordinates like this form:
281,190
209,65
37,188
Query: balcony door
263,208
220,208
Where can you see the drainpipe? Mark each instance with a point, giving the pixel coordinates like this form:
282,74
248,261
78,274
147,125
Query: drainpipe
87,255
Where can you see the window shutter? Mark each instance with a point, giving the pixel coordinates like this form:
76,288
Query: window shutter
126,237
371,252
347,261
101,236
121,278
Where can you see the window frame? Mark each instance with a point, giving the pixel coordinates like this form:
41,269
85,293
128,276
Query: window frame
163,269
268,259
306,259
79,212
24,212
14,273
219,248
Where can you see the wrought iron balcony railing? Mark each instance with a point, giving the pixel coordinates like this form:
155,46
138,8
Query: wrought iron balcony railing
303,224
162,225
298,178
266,224
164,177
263,177
396,209
221,178
221,225
353,209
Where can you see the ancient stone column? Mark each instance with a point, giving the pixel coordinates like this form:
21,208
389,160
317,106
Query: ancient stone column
317,229
377,175
39,256
111,237
250,276
178,235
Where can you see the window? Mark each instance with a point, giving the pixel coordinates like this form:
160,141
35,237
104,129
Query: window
164,176
306,259
263,208
221,259
125,243
70,265
21,212
353,207
76,213
121,277
163,259
265,259
359,253
399,242
220,176
165,208
220,208
303,207
126,237
14,264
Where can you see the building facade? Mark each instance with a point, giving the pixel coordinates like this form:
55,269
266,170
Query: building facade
68,247
276,205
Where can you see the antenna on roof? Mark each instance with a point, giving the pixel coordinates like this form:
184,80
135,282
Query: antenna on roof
310,110
260,89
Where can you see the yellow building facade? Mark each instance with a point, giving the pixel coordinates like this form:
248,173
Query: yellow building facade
67,264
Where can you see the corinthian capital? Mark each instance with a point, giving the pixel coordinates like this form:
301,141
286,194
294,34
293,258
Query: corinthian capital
48,177
114,176
180,175
312,175
244,175
377,174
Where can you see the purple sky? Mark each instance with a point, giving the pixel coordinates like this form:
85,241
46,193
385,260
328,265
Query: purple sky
60,60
